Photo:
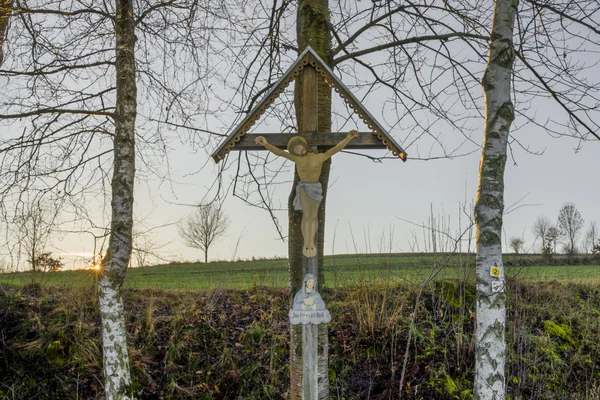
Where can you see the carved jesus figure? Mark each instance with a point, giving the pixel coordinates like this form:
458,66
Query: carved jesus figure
309,192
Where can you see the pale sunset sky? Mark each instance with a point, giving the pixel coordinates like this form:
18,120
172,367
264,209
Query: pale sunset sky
371,206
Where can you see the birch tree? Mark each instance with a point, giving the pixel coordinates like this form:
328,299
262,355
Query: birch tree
72,128
490,351
553,68
117,377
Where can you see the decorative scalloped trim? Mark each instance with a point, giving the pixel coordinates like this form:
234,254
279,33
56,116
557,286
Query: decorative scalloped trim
331,82
355,107
266,104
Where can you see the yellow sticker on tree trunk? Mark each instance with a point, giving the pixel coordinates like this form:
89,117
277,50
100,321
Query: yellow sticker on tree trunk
495,272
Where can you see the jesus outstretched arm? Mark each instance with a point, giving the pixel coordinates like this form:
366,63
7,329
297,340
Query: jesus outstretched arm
275,150
341,145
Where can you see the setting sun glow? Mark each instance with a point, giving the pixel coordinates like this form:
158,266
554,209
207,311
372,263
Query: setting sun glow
96,262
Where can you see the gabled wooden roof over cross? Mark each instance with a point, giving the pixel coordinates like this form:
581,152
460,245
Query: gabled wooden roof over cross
377,138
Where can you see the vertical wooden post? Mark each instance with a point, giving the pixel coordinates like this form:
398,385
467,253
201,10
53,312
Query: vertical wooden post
310,388
310,333
310,105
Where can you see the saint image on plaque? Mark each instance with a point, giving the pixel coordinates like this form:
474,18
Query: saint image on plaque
307,298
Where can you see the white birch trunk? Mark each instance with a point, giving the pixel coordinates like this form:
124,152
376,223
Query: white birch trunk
6,7
116,358
489,382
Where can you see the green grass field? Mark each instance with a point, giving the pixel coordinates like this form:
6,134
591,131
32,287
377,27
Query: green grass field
340,271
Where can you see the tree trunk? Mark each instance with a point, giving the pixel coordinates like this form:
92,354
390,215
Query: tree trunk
312,30
489,380
116,359
5,11
33,263
312,19
206,256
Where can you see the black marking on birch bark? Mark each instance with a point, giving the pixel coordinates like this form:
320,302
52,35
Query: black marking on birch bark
489,201
495,36
506,53
497,301
484,353
494,378
507,112
496,329
488,81
489,238
493,167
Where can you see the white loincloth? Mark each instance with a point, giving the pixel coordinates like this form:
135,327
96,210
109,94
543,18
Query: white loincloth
314,190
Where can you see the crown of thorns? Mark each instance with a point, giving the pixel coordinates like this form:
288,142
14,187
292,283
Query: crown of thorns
294,141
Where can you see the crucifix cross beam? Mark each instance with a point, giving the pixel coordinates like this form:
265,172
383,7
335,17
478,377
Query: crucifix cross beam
364,140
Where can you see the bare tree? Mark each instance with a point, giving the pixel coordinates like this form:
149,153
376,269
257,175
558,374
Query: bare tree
569,225
539,35
33,228
203,227
46,263
552,237
516,244
146,248
117,374
591,237
596,248
541,227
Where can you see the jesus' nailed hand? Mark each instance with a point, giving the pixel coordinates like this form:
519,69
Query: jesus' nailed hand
309,192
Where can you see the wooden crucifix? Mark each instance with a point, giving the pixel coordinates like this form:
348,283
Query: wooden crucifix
308,164
308,192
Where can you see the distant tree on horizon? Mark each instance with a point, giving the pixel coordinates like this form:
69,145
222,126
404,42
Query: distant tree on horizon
596,248
569,224
551,239
203,227
32,230
46,263
540,229
591,237
516,244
